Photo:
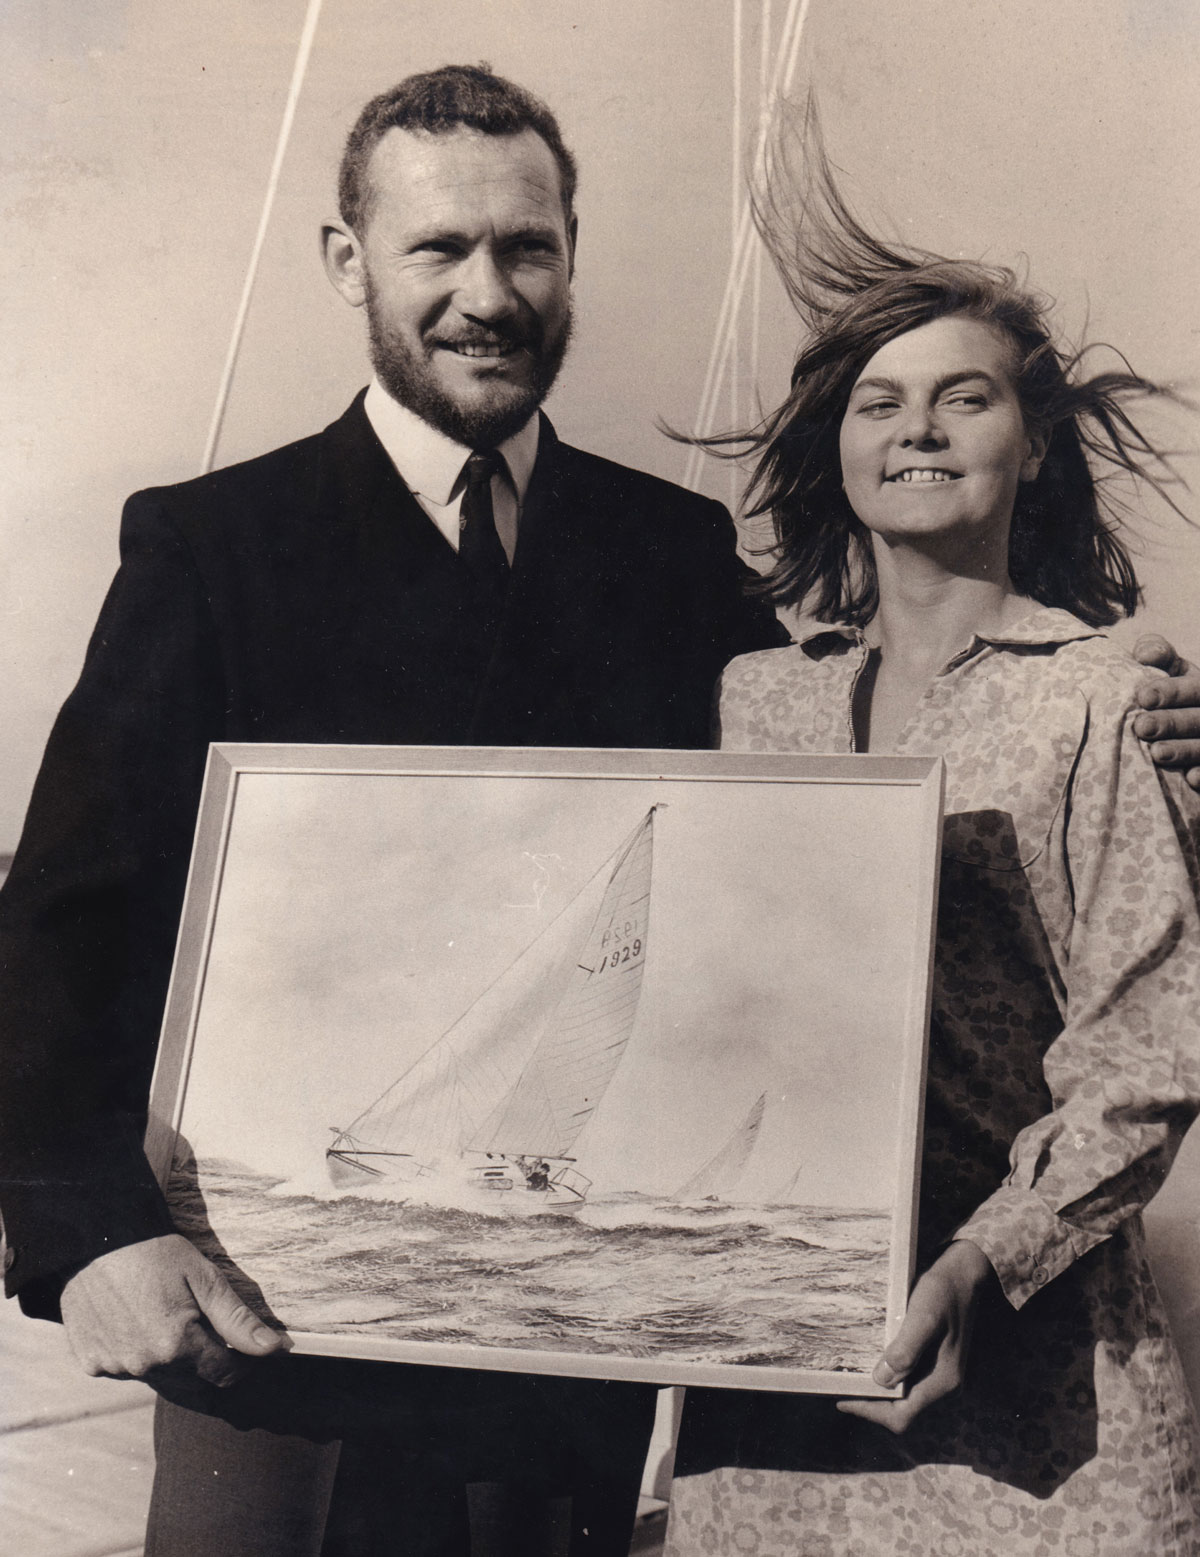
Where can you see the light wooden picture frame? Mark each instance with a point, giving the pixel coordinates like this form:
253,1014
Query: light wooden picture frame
607,1064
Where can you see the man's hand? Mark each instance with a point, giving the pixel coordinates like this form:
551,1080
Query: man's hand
159,1308
931,1346
1174,726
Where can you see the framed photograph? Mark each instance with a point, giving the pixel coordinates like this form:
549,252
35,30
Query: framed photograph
610,1065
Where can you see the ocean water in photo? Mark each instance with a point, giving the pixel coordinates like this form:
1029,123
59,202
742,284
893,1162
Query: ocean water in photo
777,1286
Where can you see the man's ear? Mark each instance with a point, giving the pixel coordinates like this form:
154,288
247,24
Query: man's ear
573,235
1039,442
345,266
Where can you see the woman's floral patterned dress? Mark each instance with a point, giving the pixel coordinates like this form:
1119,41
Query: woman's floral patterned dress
1064,1069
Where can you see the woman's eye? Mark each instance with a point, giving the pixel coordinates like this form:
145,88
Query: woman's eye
877,407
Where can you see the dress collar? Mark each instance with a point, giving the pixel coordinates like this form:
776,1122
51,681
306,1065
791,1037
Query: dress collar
429,463
1041,625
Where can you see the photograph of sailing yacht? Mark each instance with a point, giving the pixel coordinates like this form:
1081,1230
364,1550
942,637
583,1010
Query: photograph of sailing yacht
608,1066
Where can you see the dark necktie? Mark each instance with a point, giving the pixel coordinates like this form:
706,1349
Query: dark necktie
479,545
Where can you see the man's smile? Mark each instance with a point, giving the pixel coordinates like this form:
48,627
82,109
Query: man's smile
481,348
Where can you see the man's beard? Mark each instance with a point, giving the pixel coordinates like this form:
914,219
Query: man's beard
409,378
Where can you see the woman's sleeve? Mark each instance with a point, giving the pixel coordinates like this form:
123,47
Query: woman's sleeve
1124,1073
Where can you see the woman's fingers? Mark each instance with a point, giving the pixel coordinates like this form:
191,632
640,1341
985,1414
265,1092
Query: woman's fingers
917,1352
930,1348
923,1327
944,1379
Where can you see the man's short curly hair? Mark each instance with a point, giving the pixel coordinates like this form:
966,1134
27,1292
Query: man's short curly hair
439,101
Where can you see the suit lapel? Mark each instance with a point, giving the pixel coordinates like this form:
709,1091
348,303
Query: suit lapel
409,617
361,491
416,609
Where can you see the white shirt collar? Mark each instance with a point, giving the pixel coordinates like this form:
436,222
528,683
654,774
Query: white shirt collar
430,464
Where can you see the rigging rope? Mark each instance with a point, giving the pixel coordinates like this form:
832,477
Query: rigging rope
764,69
739,265
307,34
723,357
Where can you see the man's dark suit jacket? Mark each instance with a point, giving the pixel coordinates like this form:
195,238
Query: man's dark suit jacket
302,596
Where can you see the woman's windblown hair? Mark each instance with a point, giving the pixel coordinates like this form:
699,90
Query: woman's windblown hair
854,293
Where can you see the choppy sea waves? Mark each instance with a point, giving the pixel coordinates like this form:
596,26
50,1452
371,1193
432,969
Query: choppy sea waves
780,1286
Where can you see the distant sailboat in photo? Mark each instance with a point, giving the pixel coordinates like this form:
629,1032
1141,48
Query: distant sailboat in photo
785,1194
716,1180
490,1113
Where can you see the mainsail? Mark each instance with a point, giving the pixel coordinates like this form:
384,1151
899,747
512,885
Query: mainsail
524,1068
722,1170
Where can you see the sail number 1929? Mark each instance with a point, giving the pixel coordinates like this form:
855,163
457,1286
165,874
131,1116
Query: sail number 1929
621,954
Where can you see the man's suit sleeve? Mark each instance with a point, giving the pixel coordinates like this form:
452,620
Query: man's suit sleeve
89,914
720,618
742,621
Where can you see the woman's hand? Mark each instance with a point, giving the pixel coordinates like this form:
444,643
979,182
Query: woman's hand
931,1346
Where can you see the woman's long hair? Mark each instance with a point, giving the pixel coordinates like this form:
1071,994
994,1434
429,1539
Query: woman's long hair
854,293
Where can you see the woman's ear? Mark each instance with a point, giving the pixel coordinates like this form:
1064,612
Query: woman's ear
1039,442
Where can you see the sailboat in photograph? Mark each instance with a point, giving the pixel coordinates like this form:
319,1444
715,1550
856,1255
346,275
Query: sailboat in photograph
490,1113
785,1194
715,1181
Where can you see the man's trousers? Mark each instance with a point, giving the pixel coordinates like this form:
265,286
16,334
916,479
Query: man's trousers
324,1457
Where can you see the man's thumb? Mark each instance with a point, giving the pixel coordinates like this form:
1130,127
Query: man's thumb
230,1317
1153,649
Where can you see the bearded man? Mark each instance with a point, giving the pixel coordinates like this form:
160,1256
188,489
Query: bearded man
434,568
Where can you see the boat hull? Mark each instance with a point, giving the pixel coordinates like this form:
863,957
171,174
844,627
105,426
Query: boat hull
496,1185
347,1168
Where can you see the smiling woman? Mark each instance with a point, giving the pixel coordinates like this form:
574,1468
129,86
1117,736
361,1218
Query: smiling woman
936,410
930,488
907,351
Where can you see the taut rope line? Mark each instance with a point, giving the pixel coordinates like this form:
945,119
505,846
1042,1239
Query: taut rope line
739,265
307,33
